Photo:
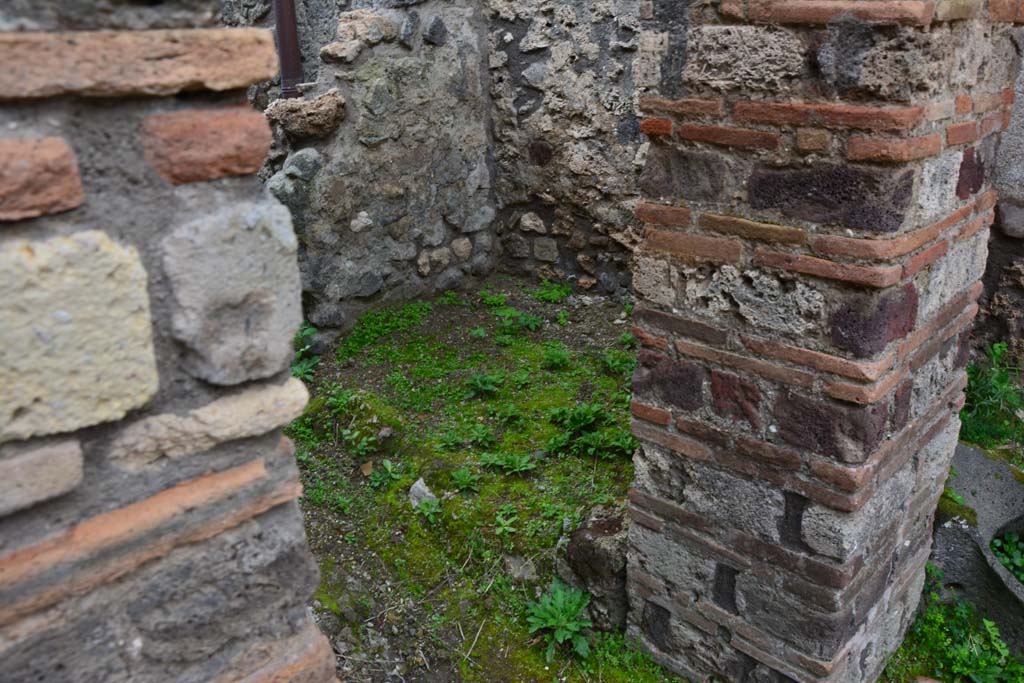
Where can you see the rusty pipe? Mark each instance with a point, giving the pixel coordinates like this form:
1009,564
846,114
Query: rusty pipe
288,47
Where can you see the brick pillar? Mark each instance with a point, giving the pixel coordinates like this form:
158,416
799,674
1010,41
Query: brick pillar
816,224
149,291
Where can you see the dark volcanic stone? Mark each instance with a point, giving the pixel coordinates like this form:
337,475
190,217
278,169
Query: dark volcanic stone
865,325
853,197
845,432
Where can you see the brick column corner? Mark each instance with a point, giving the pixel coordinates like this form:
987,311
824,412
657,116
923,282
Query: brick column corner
816,222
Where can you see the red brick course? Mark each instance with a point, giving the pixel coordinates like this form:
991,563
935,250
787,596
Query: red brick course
741,227
38,177
660,214
657,126
196,145
752,365
906,12
729,136
115,63
686,107
865,371
840,116
693,248
872,276
960,133
894,150
112,544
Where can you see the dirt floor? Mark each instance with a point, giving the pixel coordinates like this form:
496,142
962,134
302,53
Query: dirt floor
464,391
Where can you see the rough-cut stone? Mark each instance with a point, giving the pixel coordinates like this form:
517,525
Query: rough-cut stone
849,196
32,474
865,324
252,411
677,384
235,282
531,222
358,29
78,341
419,493
462,248
315,118
112,63
38,176
196,145
545,249
846,433
595,559
720,58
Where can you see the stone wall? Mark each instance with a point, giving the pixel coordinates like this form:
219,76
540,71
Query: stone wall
150,291
1002,302
817,210
385,161
565,78
438,140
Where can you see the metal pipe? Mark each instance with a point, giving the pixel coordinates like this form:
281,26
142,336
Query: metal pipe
288,47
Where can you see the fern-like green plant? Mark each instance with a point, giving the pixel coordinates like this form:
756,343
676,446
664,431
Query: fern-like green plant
559,614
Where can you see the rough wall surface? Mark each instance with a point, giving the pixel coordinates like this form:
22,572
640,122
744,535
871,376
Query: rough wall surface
1002,311
564,78
150,290
817,209
385,163
436,140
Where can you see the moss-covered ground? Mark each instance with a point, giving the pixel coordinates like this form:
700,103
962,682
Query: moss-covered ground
467,391
512,404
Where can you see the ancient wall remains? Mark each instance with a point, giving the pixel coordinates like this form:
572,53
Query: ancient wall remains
818,198
150,290
564,79
384,163
1002,303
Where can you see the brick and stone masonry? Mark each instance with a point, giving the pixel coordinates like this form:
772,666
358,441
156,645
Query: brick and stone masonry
149,291
817,202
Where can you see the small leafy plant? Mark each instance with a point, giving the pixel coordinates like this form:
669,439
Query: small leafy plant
511,463
478,333
481,436
552,292
358,442
508,415
451,298
556,356
430,510
559,615
618,363
1009,550
450,440
994,398
304,363
493,300
385,475
588,430
482,385
504,522
512,321
465,479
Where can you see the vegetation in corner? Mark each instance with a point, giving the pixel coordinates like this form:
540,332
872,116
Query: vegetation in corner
992,414
1009,550
951,642
304,364
518,423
